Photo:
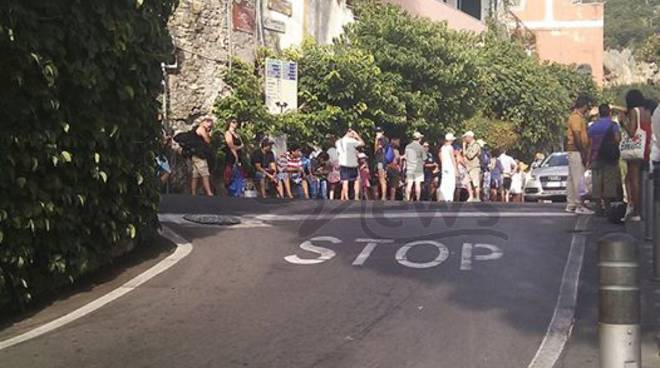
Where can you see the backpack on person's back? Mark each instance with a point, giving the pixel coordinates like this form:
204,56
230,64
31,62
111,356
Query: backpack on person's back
485,160
609,148
389,154
191,144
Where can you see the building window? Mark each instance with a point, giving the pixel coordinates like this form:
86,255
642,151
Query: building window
471,7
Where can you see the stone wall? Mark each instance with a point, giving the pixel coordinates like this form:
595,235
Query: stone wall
201,32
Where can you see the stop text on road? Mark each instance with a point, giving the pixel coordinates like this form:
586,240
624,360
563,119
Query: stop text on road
470,252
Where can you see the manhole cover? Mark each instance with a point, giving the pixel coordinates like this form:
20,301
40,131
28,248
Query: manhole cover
213,219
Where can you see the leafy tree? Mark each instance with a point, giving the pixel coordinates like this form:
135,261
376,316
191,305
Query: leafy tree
536,97
78,135
629,22
435,69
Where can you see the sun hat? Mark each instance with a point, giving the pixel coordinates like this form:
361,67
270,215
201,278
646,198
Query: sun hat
450,137
418,135
469,133
481,142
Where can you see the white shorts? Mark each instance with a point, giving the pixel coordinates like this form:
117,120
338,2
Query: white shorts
415,177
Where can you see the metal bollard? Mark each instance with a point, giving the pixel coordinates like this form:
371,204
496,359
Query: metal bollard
656,223
619,302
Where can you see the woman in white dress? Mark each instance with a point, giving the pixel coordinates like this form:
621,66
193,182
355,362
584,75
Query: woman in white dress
448,165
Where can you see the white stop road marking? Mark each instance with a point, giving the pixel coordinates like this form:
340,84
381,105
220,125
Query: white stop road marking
467,257
402,258
469,253
325,253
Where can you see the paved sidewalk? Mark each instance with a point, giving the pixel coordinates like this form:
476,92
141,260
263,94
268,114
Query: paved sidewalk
582,349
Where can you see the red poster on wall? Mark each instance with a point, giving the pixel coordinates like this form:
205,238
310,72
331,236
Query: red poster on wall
243,16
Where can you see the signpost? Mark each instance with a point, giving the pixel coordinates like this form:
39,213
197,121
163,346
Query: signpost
281,86
281,6
274,25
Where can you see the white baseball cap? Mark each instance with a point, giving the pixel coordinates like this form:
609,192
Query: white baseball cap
481,142
418,135
469,133
450,137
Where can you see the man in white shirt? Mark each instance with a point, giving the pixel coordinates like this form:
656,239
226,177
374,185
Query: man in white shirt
348,162
508,169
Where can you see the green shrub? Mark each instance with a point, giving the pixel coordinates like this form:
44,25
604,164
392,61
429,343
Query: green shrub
78,135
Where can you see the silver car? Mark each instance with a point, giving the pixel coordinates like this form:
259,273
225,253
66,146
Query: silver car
548,181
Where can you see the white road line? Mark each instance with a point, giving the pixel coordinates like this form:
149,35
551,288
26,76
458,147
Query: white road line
182,250
405,215
561,325
256,220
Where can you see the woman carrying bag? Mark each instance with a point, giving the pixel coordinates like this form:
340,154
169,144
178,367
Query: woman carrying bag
234,176
635,149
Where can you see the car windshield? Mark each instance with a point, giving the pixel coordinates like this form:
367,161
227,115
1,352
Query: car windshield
555,160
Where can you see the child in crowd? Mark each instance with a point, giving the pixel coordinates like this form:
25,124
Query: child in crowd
309,174
365,175
322,169
462,177
296,170
283,174
518,181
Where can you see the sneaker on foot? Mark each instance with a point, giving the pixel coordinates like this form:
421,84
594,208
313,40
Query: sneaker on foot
629,212
583,211
635,218
570,209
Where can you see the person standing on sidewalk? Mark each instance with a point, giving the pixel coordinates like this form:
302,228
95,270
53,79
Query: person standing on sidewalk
509,167
382,149
577,145
431,173
449,169
414,156
485,170
636,120
472,151
199,160
348,162
604,157
394,169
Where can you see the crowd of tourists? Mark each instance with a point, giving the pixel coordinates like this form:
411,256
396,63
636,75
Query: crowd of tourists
348,167
351,168
617,147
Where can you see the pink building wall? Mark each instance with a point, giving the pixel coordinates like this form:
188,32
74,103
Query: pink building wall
566,32
438,11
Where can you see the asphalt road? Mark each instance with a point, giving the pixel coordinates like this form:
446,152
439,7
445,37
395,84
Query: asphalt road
441,286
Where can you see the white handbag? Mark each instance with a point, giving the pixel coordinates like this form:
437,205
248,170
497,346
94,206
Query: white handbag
633,148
